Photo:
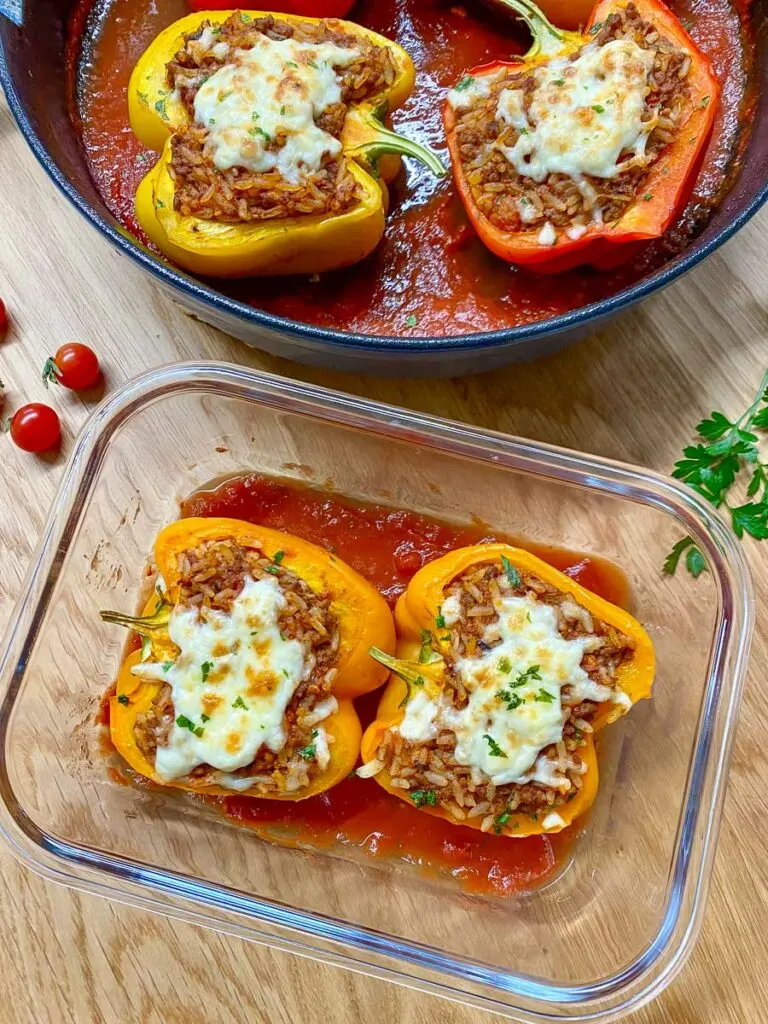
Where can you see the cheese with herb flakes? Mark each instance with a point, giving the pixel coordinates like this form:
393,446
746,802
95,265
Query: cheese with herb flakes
231,683
274,90
514,708
584,115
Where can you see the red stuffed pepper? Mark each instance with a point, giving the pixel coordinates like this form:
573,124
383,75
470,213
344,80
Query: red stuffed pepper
587,146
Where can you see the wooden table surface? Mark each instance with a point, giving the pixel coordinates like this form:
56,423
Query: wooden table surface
634,391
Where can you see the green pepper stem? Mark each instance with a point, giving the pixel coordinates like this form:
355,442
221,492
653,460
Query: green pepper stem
545,34
145,625
390,142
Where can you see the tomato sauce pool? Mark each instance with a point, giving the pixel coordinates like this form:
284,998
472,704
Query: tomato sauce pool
430,274
388,546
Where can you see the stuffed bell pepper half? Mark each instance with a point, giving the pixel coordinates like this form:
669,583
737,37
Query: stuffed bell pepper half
255,643
505,670
274,154
587,147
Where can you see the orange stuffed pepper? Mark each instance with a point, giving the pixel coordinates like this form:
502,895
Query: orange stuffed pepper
505,670
255,643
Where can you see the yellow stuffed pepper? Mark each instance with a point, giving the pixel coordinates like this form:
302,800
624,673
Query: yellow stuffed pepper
255,643
274,155
505,669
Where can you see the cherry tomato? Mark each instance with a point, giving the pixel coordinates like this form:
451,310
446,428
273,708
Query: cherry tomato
3,318
304,8
35,428
75,366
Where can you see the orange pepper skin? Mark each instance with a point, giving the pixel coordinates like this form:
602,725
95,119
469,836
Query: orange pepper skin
667,187
363,616
417,611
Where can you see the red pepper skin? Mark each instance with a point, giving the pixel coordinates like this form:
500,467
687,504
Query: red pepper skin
305,8
669,184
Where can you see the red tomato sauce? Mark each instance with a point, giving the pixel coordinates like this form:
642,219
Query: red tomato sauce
388,546
430,265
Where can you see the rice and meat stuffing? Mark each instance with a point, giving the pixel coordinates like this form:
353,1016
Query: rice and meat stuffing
293,641
267,100
527,668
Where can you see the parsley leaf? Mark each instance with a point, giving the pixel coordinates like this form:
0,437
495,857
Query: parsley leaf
278,557
440,621
559,81
493,746
504,665
167,666
727,450
205,669
411,320
510,571
500,821
424,797
309,753
205,718
186,723
531,673
598,108
123,699
239,703
544,696
465,83
260,131
512,700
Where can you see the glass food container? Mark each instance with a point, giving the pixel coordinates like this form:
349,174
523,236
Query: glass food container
609,932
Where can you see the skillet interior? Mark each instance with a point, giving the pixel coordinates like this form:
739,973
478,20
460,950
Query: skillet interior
32,72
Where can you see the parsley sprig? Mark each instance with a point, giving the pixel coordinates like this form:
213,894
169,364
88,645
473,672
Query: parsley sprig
712,466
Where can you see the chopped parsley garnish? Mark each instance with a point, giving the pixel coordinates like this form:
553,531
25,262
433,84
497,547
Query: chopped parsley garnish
291,64
648,196
544,696
705,101
559,81
282,111
598,108
465,83
440,621
245,17
271,568
278,557
309,752
146,648
260,131
286,673
255,116
160,106
123,699
411,320
282,634
205,668
493,746
505,665
167,666
159,204
512,700
205,718
186,723
523,131
596,28
500,821
240,703
424,797
531,673
510,571
418,681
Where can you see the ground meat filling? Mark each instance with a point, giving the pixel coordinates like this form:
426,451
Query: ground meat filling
429,771
240,194
211,577
515,202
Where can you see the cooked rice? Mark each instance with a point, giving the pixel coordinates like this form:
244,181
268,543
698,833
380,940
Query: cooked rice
211,577
431,770
240,194
498,189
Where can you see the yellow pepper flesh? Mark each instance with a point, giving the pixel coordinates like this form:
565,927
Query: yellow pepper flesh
294,245
362,615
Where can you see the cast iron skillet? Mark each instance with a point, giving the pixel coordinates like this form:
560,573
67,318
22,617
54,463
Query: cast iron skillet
32,75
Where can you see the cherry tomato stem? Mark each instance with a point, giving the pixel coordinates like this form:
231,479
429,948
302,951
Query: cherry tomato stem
74,366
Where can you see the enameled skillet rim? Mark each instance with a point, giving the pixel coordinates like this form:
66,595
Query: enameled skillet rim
503,338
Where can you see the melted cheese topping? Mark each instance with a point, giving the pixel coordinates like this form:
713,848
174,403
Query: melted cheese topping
231,683
278,87
583,114
514,709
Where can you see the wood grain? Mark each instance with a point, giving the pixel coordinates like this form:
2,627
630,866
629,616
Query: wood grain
633,392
